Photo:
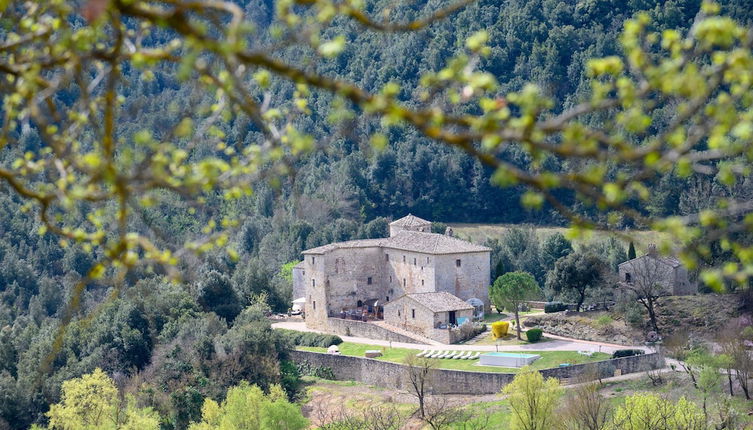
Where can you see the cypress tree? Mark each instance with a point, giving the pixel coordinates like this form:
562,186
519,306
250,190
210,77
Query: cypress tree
631,251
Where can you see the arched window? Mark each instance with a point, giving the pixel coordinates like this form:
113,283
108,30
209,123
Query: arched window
359,304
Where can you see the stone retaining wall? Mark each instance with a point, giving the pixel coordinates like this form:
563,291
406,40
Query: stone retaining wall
362,329
443,381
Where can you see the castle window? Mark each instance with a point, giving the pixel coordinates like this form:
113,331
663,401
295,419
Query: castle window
313,282
422,282
313,260
390,278
422,268
628,278
457,262
388,298
427,260
398,312
414,261
404,282
386,257
314,304
359,304
413,313
368,280
403,259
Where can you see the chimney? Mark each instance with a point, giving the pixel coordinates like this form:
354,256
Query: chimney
652,250
449,232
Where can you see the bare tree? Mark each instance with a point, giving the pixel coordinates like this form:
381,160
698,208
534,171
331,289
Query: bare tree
441,415
420,372
740,361
435,410
648,281
374,416
585,409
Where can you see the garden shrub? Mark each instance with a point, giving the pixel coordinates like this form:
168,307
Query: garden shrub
300,338
500,329
534,334
554,307
627,353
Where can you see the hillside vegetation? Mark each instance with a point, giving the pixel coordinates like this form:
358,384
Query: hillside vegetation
174,339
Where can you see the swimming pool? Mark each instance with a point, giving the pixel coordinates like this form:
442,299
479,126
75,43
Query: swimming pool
507,359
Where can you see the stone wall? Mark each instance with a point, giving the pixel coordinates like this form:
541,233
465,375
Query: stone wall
410,315
470,280
362,329
443,381
411,272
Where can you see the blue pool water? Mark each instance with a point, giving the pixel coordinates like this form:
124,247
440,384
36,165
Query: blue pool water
510,354
507,359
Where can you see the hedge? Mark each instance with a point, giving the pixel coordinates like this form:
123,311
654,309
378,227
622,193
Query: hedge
534,334
627,353
302,338
554,307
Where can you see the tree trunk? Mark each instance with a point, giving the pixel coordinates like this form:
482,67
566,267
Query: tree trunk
517,323
742,378
581,299
729,380
648,303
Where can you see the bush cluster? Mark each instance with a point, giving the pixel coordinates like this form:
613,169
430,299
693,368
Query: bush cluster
534,334
627,353
554,307
300,338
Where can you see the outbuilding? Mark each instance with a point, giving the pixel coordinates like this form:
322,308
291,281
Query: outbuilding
424,312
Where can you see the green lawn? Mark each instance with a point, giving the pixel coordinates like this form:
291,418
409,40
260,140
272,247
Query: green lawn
548,358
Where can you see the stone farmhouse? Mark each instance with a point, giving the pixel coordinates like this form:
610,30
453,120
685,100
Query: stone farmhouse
413,280
653,268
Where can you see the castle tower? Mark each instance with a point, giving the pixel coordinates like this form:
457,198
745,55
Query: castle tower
409,223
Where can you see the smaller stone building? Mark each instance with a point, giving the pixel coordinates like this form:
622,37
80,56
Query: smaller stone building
655,269
424,312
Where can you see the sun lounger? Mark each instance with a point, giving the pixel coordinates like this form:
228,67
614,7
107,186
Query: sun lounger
474,356
422,353
444,354
454,354
462,355
436,354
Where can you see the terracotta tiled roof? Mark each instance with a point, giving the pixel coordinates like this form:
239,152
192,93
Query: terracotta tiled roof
362,243
669,261
414,241
410,221
439,302
431,243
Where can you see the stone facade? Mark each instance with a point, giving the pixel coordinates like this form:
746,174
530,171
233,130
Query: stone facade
411,313
655,269
444,381
348,275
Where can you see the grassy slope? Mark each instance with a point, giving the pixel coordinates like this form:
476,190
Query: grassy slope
397,355
478,233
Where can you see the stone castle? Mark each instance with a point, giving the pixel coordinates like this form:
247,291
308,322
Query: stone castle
414,280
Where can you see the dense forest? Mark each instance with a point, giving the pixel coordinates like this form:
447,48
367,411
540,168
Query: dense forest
173,344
